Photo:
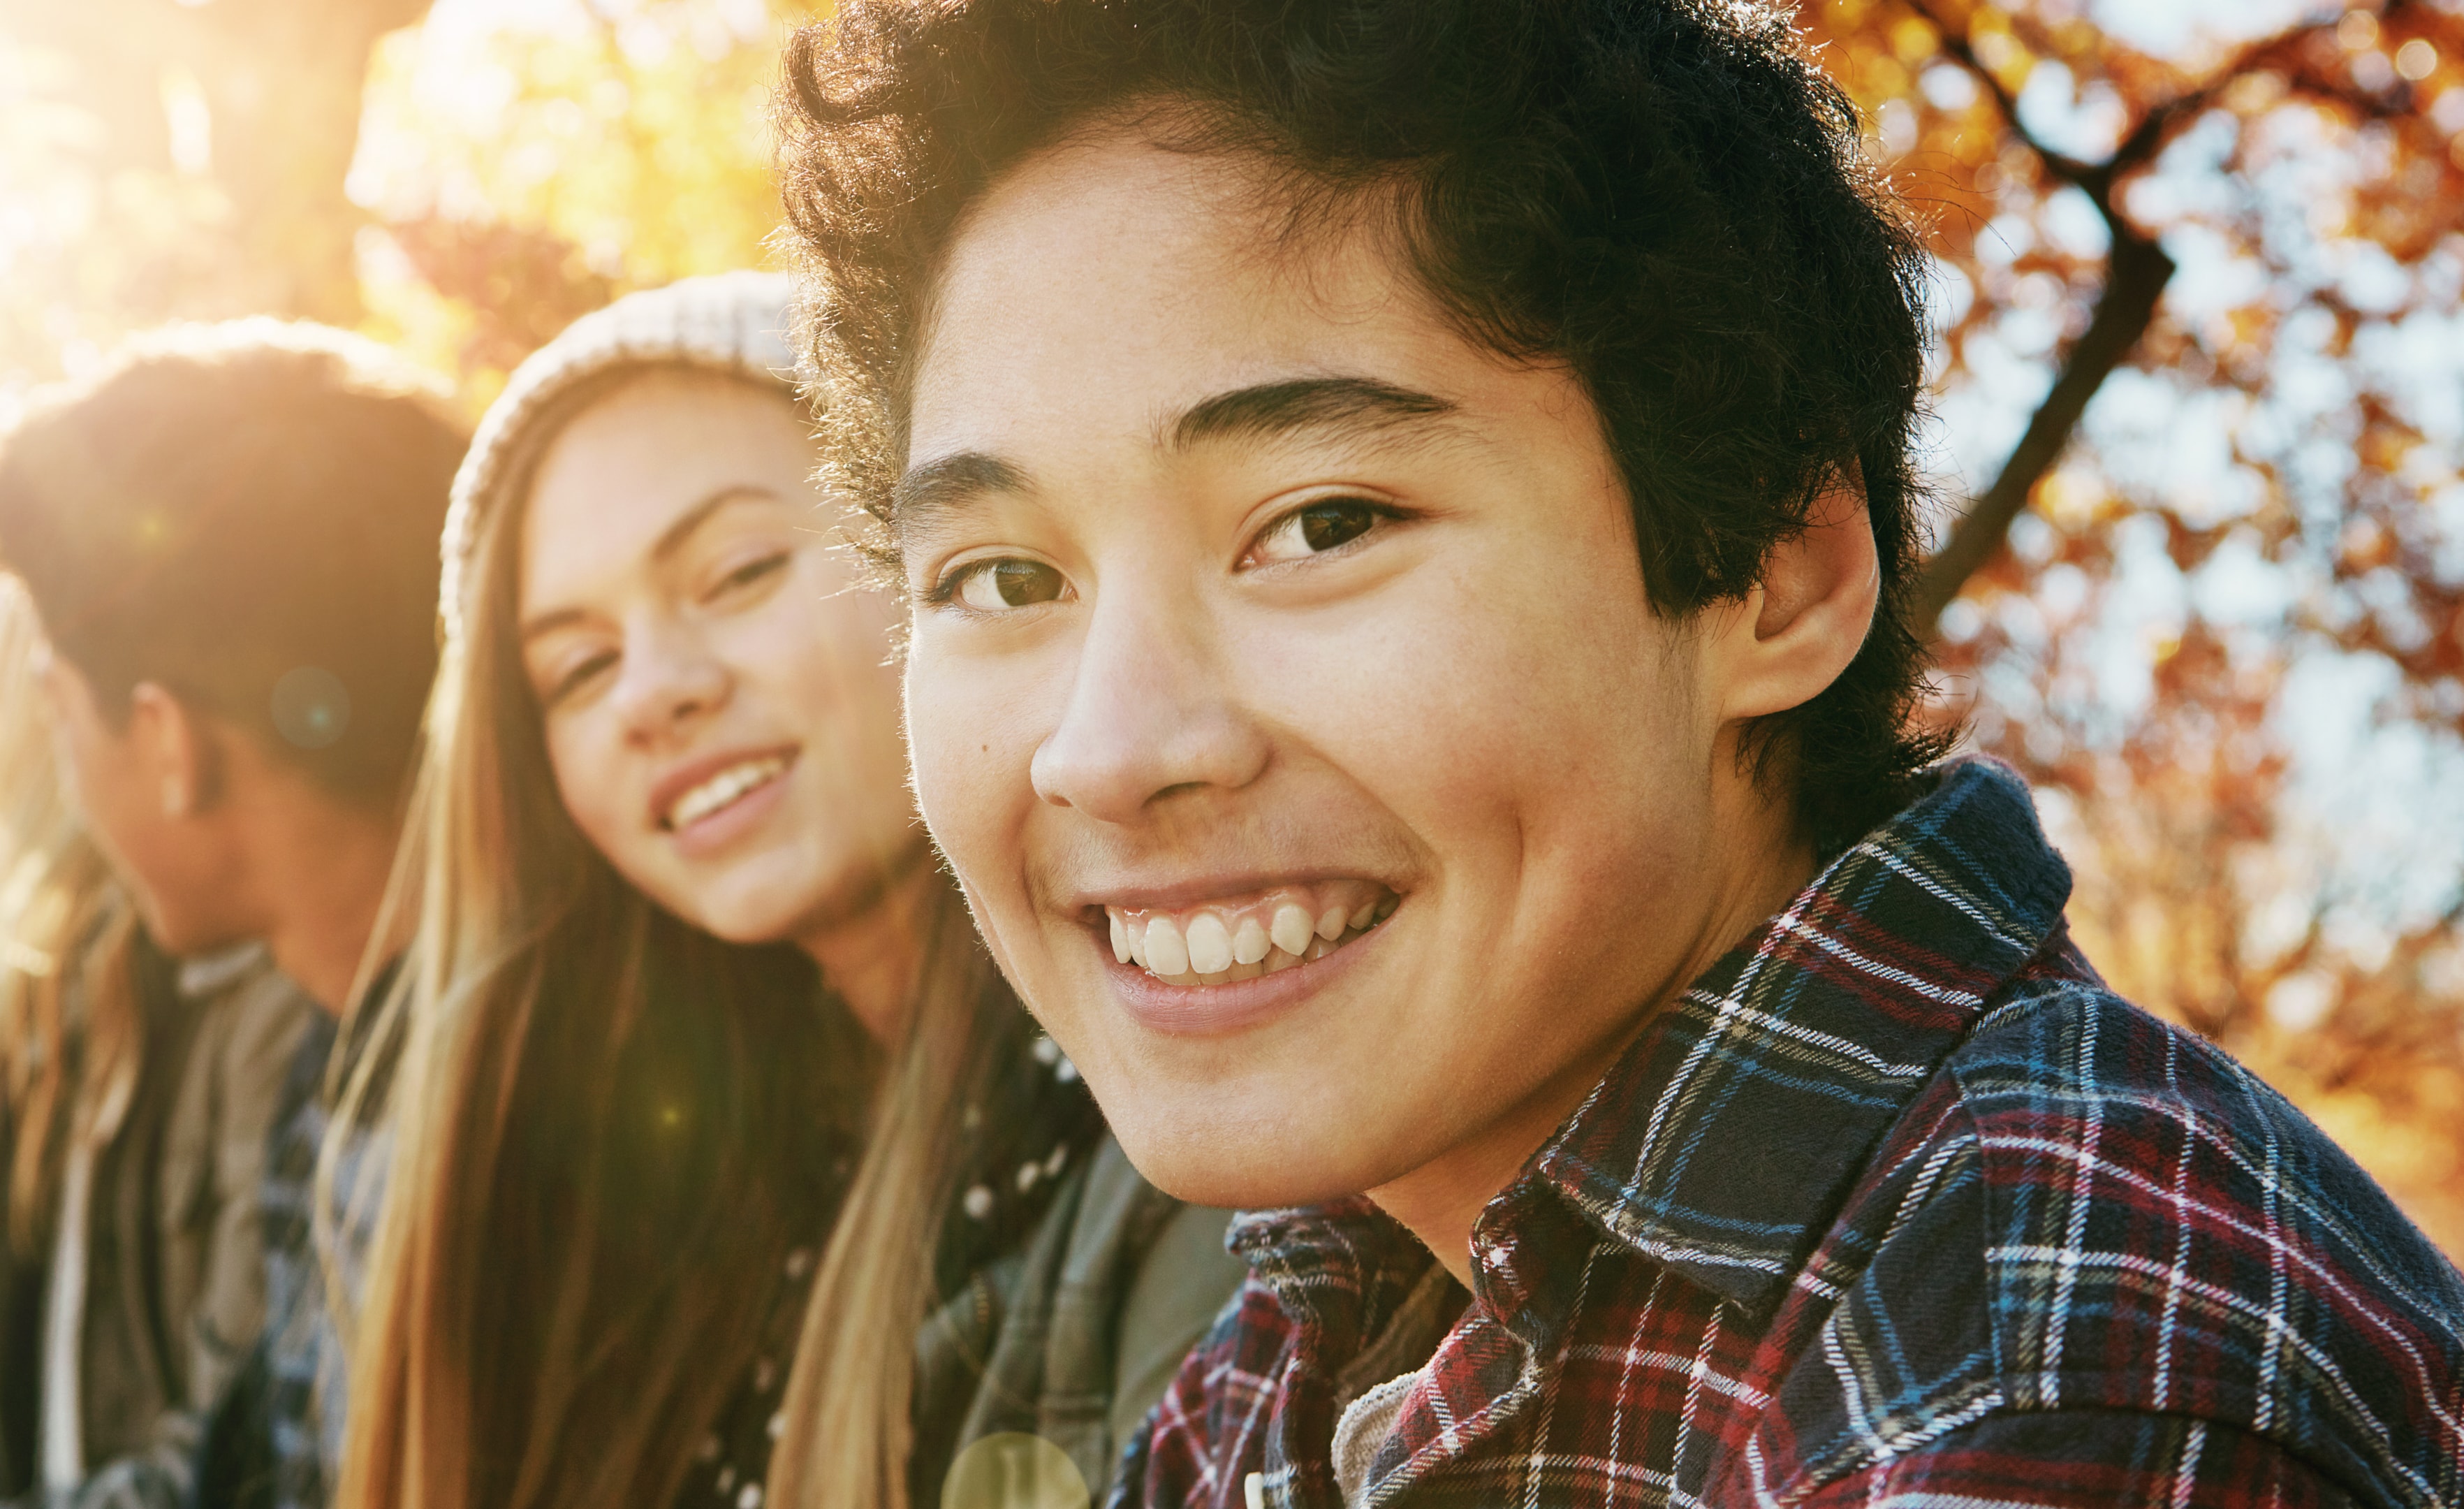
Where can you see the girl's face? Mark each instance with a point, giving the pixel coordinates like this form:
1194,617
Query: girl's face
719,707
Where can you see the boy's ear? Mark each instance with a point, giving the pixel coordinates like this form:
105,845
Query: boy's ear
176,748
1799,629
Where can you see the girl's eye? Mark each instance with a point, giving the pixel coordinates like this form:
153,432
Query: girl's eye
992,586
750,572
572,681
1316,529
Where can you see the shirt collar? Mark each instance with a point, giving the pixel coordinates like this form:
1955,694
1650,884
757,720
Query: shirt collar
1727,1136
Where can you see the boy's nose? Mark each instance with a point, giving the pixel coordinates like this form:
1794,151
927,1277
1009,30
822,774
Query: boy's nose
1153,709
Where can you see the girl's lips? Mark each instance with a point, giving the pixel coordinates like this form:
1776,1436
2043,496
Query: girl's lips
708,836
1236,1006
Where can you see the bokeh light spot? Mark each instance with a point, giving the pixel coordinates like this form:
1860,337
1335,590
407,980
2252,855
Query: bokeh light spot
311,707
1013,1470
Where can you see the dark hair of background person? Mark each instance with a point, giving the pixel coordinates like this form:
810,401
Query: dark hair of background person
1662,194
246,514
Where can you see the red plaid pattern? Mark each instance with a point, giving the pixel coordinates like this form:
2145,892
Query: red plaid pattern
1897,1205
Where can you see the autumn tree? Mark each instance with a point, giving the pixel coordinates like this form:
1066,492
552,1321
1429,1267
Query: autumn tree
2199,342
526,175
214,142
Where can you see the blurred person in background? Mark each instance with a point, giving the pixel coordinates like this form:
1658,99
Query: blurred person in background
225,538
707,1095
135,1097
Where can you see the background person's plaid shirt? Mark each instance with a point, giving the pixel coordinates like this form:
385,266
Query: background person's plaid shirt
1899,1206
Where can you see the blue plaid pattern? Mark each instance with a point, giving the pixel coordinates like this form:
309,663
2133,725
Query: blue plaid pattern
303,1354
1895,1205
276,1440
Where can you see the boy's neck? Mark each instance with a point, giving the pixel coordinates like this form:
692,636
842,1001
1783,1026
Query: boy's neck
321,880
1442,1200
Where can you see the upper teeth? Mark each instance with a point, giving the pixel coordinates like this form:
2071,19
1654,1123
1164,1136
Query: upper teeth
1208,944
723,788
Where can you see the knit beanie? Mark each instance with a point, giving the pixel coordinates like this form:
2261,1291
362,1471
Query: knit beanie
740,325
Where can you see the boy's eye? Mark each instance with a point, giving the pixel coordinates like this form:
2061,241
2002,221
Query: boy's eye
1315,529
996,585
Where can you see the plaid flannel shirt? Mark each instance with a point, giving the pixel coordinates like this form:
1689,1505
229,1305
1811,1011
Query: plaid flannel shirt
1897,1205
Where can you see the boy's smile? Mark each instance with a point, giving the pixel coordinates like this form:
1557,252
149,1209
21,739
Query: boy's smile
1225,939
1284,690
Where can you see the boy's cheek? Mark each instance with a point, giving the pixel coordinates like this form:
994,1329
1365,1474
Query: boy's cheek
949,763
973,775
958,798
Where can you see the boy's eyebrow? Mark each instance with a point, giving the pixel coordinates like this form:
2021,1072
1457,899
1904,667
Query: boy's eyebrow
948,484
1309,403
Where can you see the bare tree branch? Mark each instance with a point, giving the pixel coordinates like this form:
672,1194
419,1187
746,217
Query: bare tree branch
2138,270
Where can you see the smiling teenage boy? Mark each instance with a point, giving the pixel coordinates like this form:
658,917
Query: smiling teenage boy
1407,510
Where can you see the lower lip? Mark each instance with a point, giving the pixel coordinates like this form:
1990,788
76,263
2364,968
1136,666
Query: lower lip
1236,1006
707,836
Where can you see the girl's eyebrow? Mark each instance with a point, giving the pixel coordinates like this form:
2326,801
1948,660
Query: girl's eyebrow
549,622
673,537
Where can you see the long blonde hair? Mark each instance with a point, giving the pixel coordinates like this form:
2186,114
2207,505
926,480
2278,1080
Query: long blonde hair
849,1432
598,1118
71,1030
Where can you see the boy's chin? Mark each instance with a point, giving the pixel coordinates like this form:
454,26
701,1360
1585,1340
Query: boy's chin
1235,1167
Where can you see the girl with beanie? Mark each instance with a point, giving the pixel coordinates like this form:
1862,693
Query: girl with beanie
703,1096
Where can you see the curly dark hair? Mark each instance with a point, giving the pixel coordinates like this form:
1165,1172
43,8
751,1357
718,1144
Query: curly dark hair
1662,194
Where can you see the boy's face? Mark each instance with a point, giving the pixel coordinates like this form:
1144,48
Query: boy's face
1269,629
136,786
